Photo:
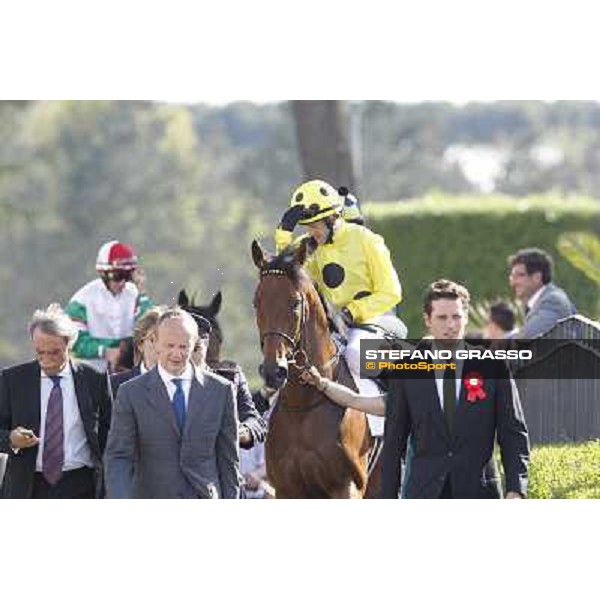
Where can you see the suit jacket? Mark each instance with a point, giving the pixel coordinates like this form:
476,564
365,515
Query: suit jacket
116,379
552,305
20,405
148,457
247,413
465,457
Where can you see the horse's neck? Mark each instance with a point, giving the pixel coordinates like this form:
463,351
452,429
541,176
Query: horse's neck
320,350
320,347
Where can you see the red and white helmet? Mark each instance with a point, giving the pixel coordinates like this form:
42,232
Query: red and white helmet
116,256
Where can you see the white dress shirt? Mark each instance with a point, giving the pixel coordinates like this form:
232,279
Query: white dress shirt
77,451
439,374
186,378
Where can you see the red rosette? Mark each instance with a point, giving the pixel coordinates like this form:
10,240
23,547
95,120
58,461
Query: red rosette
473,383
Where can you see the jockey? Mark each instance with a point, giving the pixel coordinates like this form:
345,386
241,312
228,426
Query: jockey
106,308
351,266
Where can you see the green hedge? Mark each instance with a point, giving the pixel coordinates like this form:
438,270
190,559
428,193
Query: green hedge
468,239
565,471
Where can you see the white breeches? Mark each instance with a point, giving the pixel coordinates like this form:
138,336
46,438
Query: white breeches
366,387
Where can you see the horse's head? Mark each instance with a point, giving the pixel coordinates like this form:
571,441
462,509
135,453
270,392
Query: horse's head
208,311
285,301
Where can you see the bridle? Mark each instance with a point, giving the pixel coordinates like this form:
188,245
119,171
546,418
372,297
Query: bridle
296,355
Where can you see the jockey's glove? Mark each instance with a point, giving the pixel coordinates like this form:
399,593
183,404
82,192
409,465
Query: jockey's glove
347,317
291,217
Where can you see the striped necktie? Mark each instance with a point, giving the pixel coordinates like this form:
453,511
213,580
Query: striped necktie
53,455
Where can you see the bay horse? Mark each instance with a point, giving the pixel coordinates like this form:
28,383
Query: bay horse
208,311
314,448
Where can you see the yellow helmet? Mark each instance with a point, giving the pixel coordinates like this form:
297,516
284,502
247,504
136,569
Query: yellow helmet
319,199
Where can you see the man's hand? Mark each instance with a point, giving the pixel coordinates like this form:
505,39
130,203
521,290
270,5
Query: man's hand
252,481
112,357
312,377
23,438
513,496
291,217
139,279
244,435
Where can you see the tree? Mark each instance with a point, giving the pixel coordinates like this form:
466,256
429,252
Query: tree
322,132
582,250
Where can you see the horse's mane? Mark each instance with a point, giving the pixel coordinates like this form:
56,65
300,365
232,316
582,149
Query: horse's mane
286,263
334,326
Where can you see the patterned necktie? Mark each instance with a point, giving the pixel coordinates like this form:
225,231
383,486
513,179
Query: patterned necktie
53,456
449,397
179,403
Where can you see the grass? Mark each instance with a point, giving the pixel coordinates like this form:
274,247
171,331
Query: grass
565,471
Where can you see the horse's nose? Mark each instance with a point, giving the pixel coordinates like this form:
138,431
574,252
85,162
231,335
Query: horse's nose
278,378
274,375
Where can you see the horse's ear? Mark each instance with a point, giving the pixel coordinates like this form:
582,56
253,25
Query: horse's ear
182,299
258,255
215,304
307,246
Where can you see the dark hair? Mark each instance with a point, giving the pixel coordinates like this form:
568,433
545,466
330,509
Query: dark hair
444,288
502,315
204,326
535,261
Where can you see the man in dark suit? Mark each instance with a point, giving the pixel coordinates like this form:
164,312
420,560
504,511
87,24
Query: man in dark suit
453,417
174,429
54,417
144,352
543,302
252,429
500,322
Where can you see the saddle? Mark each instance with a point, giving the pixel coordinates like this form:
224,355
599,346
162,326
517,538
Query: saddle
343,375
390,328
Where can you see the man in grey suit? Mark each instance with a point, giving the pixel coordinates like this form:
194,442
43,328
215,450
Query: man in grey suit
543,302
174,429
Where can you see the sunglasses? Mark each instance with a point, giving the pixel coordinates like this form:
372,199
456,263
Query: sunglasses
119,275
